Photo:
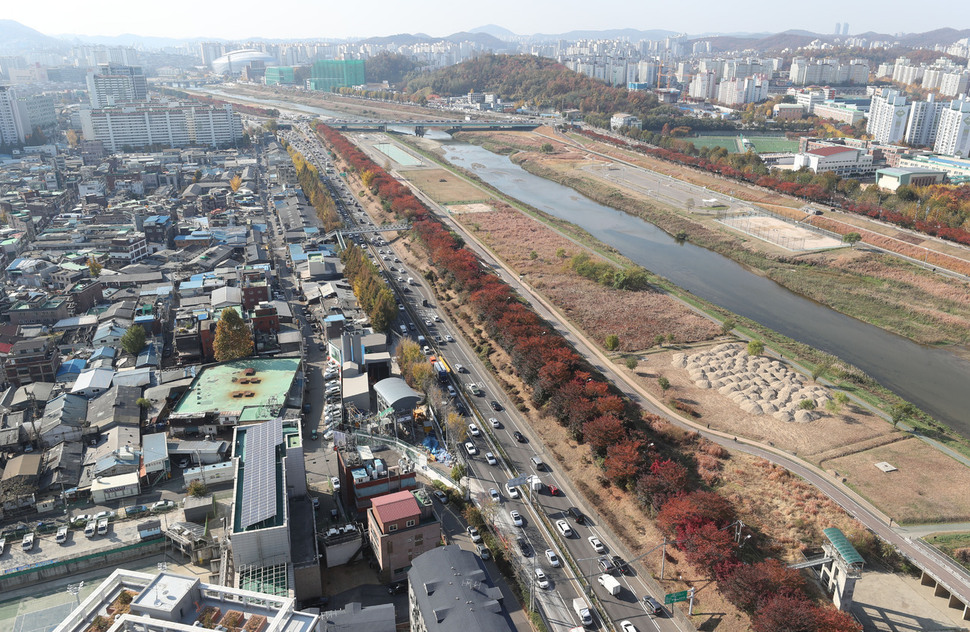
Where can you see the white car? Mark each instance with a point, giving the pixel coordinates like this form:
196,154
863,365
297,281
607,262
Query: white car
552,557
513,491
495,422
335,482
495,495
474,534
564,528
516,518
162,505
596,544
449,338
541,579
440,495
626,626
473,430
470,448
490,458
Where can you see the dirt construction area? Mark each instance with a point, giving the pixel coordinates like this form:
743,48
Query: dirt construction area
781,233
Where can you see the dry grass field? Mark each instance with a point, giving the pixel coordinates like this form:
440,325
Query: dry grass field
636,317
928,486
442,186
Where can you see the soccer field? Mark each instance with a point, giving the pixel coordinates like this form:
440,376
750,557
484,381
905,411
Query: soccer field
728,142
772,144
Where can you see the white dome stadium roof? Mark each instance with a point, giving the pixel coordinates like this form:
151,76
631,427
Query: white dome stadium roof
236,60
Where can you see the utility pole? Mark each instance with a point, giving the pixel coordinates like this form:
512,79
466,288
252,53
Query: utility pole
663,558
690,607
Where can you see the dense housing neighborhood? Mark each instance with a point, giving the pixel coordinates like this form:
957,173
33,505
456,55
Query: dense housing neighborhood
281,351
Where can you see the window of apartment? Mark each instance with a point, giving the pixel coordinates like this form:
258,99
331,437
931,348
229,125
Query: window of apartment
392,527
410,523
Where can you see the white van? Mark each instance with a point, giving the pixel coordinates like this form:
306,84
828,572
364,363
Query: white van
61,536
90,528
103,526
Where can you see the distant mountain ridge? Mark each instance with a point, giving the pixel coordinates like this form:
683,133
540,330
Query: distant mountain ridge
15,36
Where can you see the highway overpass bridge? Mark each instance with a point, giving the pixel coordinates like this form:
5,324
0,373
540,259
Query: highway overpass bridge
420,127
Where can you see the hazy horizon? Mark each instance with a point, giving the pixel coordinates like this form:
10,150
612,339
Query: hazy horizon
304,19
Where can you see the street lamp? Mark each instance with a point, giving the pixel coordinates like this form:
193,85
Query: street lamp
75,589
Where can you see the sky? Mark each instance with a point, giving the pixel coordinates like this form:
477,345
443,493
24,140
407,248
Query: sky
322,19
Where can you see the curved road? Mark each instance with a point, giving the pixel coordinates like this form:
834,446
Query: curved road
957,580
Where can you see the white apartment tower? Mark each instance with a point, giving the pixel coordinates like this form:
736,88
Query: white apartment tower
170,125
924,117
953,134
887,117
703,86
114,84
11,123
953,84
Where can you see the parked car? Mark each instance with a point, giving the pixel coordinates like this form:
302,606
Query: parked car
162,505
336,483
483,552
596,544
61,536
28,542
474,534
440,495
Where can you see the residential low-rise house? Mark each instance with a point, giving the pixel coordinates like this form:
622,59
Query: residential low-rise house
32,360
93,382
401,526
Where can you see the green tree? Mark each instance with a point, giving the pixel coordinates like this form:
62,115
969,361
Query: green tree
561,253
632,362
821,368
756,347
197,175
612,342
842,398
94,267
233,339
458,471
728,326
384,311
197,489
133,340
143,403
899,412
546,148
533,255
852,238
659,340
664,384
806,404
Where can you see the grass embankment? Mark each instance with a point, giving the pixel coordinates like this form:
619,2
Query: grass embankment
956,545
842,375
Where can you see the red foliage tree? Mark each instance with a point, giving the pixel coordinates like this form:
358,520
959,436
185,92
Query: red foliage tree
708,547
603,431
623,460
831,620
693,509
751,585
785,613
666,479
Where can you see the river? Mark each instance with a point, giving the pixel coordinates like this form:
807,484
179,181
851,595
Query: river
934,379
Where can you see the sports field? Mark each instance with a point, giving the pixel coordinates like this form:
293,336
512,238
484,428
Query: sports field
729,142
772,144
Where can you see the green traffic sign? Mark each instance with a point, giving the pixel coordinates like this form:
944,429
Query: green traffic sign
675,597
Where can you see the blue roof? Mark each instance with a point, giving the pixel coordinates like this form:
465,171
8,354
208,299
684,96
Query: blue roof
147,318
103,352
71,366
148,357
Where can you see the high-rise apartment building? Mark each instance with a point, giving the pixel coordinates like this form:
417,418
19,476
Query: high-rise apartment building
114,84
887,117
37,110
953,133
11,123
210,52
703,86
953,84
165,124
924,118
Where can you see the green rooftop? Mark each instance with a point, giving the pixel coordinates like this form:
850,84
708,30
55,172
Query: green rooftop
232,387
843,546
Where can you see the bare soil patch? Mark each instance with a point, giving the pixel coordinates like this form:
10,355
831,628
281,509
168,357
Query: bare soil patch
442,186
928,486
